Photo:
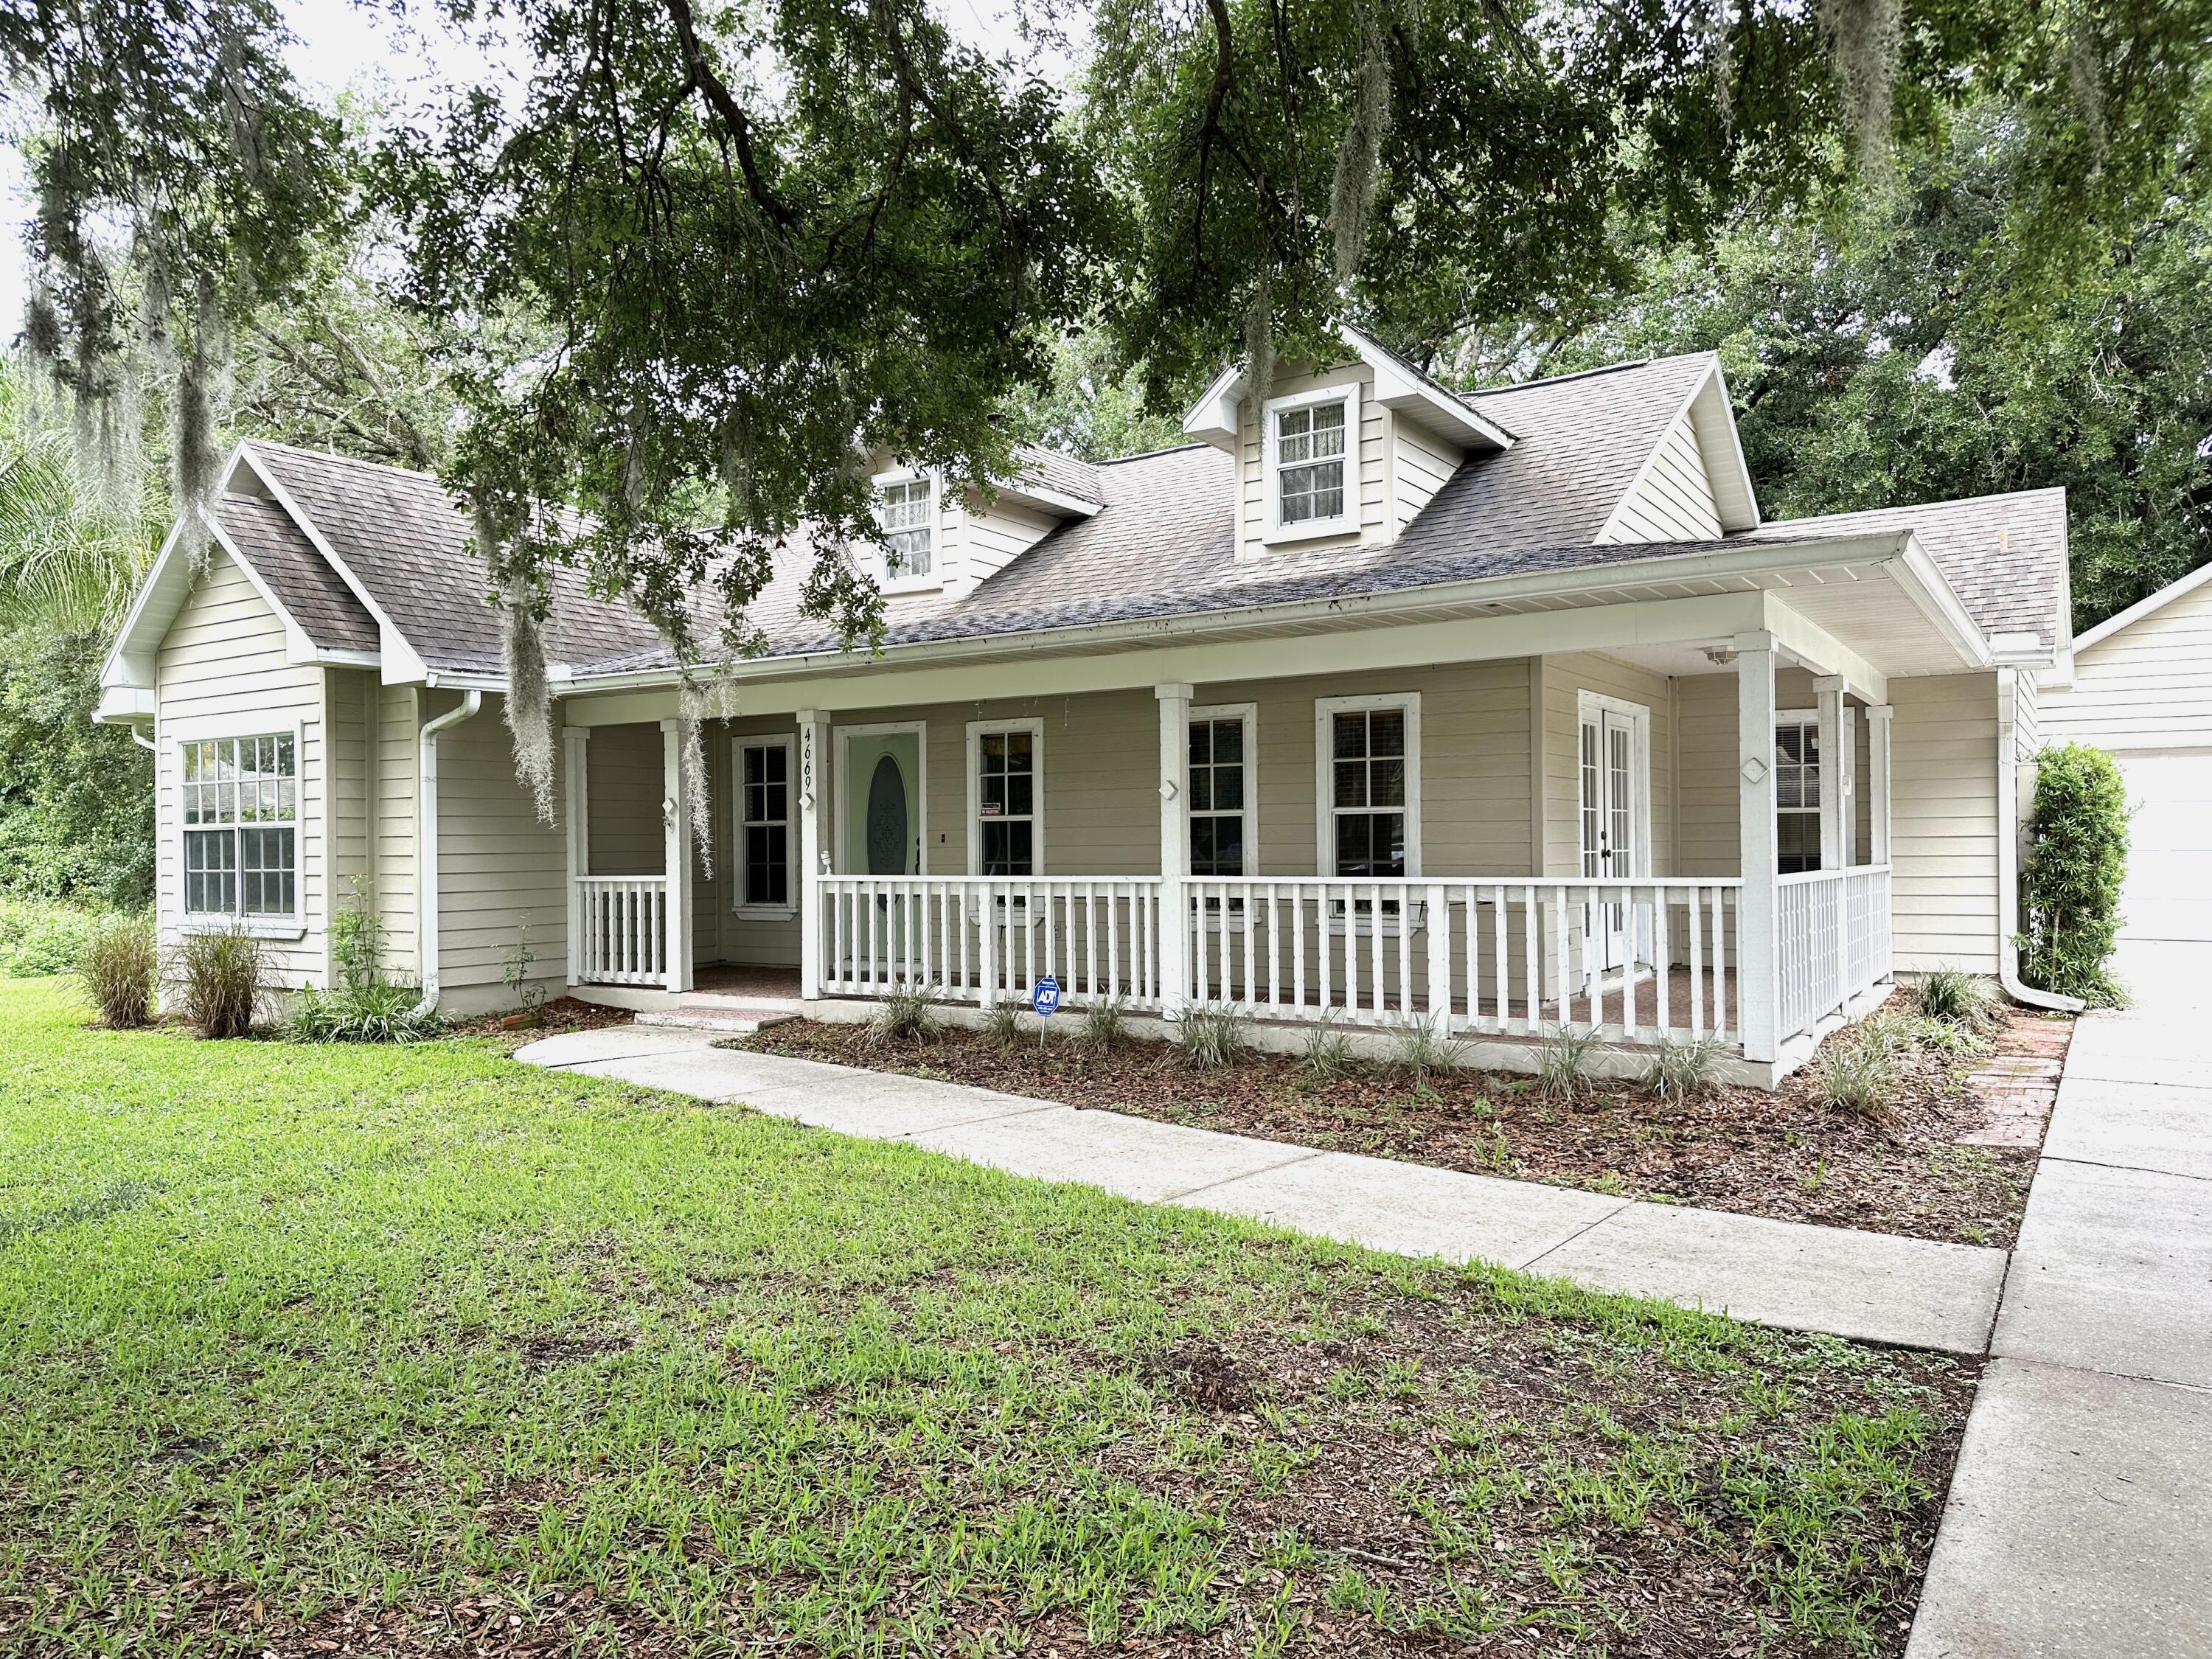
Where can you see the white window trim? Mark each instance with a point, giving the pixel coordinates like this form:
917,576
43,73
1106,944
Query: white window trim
1587,705
1249,714
841,786
934,579
1325,708
1345,523
1810,717
976,731
213,727
788,742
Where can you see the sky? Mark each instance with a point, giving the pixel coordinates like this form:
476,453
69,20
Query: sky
342,45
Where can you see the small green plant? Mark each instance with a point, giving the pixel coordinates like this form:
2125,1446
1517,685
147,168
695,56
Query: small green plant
1327,1052
118,968
216,980
515,962
361,1004
1564,1058
2077,858
906,1016
1683,1071
1103,1027
1419,1048
1002,1026
1958,997
1211,1035
1857,1071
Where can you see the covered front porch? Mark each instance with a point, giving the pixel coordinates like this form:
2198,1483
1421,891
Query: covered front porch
1653,838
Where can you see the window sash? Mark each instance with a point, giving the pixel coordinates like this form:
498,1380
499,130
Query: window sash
1311,448
1797,782
764,823
905,515
1220,792
240,798
1005,801
1368,763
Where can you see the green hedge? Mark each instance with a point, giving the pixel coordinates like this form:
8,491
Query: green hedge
2077,858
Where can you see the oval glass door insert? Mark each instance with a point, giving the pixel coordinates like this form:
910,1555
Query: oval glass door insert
887,834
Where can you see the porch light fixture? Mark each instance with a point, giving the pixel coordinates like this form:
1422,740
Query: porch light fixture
1721,656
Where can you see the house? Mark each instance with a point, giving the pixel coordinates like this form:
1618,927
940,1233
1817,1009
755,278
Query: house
2139,684
1375,702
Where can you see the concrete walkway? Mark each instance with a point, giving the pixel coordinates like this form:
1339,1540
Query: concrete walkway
1874,1286
2080,1519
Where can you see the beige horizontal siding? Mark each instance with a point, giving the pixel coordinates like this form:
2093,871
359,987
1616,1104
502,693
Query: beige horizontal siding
1943,816
224,659
2148,686
1674,500
501,869
626,780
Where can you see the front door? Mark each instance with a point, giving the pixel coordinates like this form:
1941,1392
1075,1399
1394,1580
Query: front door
882,830
1611,808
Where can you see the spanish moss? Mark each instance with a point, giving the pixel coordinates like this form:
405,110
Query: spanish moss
1359,157
1864,37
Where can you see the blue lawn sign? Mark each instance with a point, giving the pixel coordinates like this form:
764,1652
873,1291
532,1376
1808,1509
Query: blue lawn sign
1045,997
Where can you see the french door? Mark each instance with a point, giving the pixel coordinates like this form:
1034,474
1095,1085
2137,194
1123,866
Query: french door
1612,786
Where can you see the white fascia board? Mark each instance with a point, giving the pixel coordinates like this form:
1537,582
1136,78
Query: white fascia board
1937,601
1812,644
1699,408
1745,563
1049,500
1213,418
124,705
131,660
2144,607
401,663
1402,390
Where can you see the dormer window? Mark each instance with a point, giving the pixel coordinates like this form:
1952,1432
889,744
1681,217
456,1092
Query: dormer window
906,511
1312,463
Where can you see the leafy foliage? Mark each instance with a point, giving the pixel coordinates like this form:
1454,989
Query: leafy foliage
361,1004
77,800
2077,858
906,1016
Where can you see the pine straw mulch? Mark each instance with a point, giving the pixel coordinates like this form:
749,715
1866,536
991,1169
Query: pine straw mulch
1786,1154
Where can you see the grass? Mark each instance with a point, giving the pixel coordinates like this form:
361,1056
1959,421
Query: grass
374,1345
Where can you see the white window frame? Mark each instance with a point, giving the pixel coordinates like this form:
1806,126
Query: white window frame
1325,711
933,579
739,905
216,728
840,791
1810,719
977,730
1345,523
1247,714
1588,706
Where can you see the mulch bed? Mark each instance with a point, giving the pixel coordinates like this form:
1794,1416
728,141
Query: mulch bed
1784,1154
553,1017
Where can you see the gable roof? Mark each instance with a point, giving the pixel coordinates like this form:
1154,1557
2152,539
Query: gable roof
265,538
2004,556
2144,607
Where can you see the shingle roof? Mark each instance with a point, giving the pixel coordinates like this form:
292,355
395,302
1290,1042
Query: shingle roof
302,580
1056,471
2004,556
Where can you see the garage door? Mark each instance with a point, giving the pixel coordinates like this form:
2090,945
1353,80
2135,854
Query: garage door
2169,890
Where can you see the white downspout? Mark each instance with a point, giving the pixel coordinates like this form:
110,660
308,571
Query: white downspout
2009,860
426,884
142,740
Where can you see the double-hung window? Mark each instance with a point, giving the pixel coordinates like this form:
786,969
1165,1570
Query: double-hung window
764,823
1221,792
1798,779
1006,790
906,514
241,808
1369,764
1311,443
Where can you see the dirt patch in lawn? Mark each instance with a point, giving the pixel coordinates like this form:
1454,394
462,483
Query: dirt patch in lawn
1788,1154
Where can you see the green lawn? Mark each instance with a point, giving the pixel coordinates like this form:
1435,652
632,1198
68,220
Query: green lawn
380,1348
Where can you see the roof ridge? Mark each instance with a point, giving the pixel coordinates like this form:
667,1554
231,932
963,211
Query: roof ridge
340,455
1621,367
1920,507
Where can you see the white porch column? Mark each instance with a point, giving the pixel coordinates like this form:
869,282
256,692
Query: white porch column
1835,767
1877,782
1758,992
675,821
1175,846
813,844
577,750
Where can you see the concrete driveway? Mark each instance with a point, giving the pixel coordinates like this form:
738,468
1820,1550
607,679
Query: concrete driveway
2080,1519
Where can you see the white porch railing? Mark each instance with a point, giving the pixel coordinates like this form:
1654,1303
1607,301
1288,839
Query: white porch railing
986,939
1639,960
1832,941
625,930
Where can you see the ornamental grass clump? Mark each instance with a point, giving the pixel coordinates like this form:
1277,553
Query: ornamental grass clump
1957,998
1327,1050
1683,1071
215,982
1212,1036
1857,1071
1103,1028
118,967
1419,1049
1564,1058
906,1016
1002,1026
2077,858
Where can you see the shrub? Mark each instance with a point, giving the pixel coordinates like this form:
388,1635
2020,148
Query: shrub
118,969
2077,857
1417,1048
1960,998
1211,1035
1002,1026
1563,1061
378,1012
1327,1051
906,1015
1683,1071
1856,1070
217,980
1104,1027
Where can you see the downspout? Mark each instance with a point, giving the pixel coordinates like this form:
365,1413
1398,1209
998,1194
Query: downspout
426,920
142,740
2009,860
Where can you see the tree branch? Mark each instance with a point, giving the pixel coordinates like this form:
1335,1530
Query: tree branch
738,132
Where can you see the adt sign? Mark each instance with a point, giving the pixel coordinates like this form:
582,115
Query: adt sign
1045,997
